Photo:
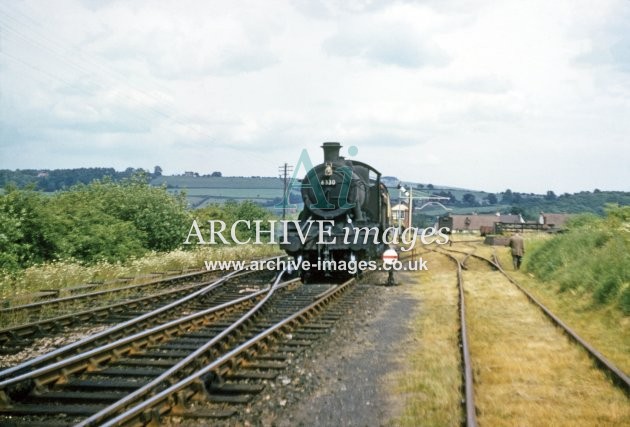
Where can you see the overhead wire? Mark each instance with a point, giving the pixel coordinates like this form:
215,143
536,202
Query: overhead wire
76,67
94,71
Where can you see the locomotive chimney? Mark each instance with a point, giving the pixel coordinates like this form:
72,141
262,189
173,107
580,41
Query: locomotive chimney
331,151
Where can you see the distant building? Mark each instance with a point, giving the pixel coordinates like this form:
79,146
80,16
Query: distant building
42,174
476,223
553,221
497,223
399,214
191,174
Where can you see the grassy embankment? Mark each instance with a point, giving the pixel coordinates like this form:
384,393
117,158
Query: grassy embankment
526,372
18,287
430,384
583,276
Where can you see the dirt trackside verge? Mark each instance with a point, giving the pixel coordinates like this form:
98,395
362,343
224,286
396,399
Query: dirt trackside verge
350,368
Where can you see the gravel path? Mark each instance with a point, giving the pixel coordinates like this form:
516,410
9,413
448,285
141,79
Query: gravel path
351,368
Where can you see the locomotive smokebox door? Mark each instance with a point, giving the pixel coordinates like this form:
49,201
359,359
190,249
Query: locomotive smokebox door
348,197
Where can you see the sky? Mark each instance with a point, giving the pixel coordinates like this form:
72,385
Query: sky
487,95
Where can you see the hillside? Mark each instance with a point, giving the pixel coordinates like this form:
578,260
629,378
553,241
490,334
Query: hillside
268,191
203,190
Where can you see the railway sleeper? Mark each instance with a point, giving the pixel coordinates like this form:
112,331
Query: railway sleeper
230,398
100,385
274,356
39,409
198,341
319,325
209,413
235,388
264,364
142,361
118,318
16,347
296,343
181,346
127,372
75,396
163,353
251,374
309,335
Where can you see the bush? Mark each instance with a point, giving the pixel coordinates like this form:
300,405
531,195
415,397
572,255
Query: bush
232,211
161,217
24,239
592,256
624,301
103,220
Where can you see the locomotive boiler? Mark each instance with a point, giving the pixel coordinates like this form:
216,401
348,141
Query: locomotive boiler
346,211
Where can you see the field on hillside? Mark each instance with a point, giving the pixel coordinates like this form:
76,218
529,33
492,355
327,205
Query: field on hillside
267,191
204,190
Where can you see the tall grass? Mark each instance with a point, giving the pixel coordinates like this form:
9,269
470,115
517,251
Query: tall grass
526,372
62,274
428,385
592,257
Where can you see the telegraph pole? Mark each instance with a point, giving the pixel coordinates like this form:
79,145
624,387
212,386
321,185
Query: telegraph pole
285,170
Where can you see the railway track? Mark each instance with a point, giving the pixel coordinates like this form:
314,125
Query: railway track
468,398
617,375
209,294
77,299
219,354
107,307
479,363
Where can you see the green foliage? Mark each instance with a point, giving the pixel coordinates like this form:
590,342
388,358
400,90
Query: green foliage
59,179
160,216
617,214
232,211
10,236
584,202
103,220
592,256
84,230
23,228
624,301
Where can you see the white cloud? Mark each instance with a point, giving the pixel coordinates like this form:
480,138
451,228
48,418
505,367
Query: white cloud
489,95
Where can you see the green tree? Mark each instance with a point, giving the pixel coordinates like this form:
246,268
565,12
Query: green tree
102,220
10,233
469,199
25,227
232,211
83,230
160,216
550,195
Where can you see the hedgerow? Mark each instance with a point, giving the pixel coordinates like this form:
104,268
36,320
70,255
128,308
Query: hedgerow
592,256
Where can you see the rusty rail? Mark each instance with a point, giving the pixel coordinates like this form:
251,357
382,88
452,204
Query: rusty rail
160,403
620,378
469,395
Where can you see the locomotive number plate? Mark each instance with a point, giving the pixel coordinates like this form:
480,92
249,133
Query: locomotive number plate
328,182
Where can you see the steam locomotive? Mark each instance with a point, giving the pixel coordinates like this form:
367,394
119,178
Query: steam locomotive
346,211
